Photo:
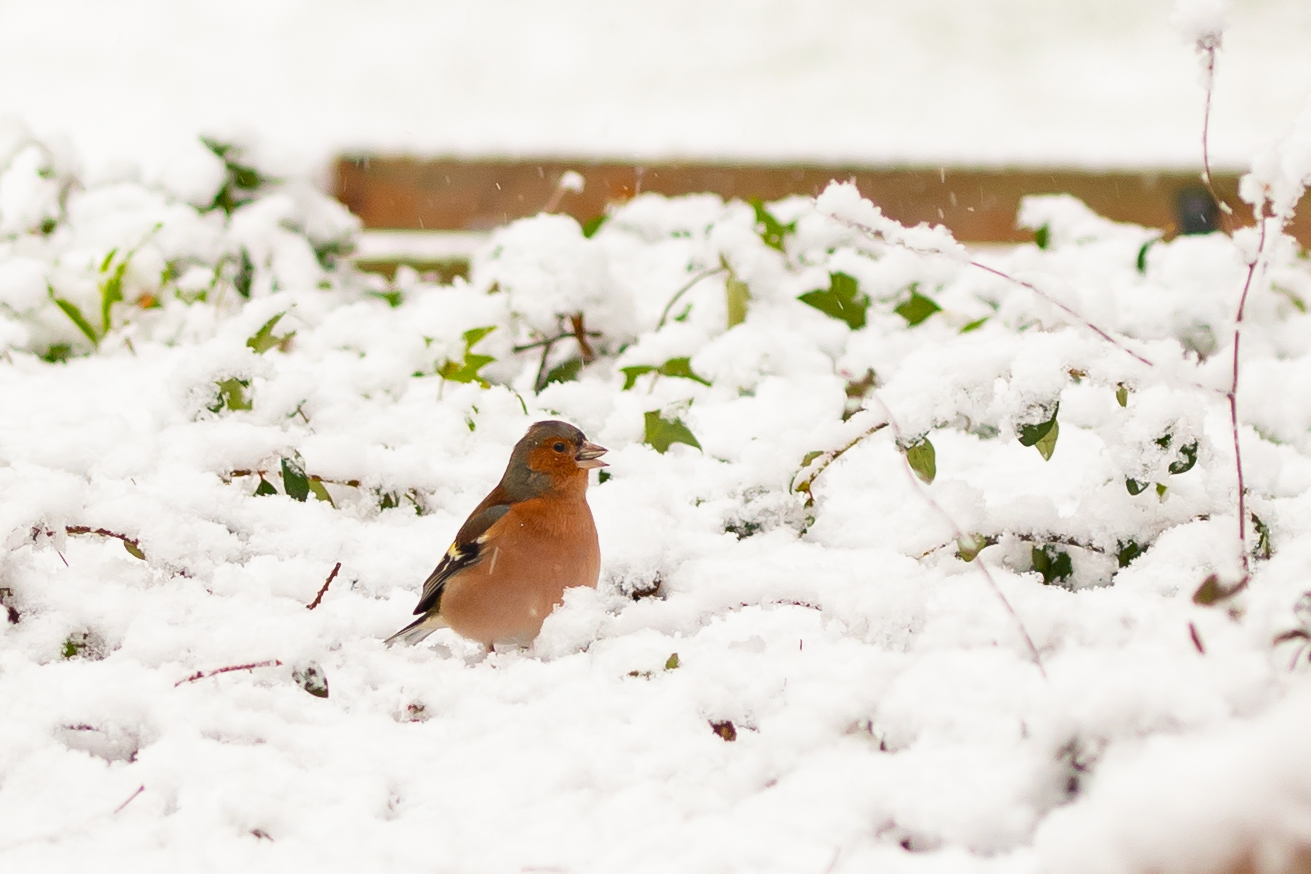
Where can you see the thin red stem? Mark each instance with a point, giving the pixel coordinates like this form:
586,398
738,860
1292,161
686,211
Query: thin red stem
323,590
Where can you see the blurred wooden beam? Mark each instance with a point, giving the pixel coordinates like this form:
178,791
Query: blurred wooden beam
979,206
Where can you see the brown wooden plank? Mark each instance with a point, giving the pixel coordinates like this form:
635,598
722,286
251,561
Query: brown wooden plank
978,205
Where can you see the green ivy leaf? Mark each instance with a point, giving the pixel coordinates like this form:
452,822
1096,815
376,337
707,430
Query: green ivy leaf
75,316
771,230
1142,256
1187,458
320,492
923,460
1054,565
1128,551
917,309
565,372
264,339
969,547
974,325
111,293
134,550
1212,591
466,370
661,433
592,225
394,298
1264,549
1122,394
294,481
672,662
1042,435
1042,237
842,300
739,294
264,488
232,395
676,367
1134,487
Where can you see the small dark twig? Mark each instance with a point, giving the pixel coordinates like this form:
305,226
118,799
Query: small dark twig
827,458
580,334
324,589
130,798
201,675
704,274
133,546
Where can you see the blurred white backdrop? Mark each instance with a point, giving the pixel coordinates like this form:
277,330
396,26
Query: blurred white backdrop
1098,83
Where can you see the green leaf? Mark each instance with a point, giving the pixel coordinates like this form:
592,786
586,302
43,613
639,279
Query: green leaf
1161,490
593,224
394,297
294,481
843,300
245,277
602,477
264,339
661,433
264,488
75,315
771,230
1187,458
466,370
676,367
923,460
1142,256
1042,237
111,293
311,678
917,309
1212,591
811,456
1122,394
969,547
672,662
232,395
1053,564
1046,445
320,492
134,550
974,325
1134,487
1264,548
109,259
738,295
56,353
1128,551
564,372
1042,435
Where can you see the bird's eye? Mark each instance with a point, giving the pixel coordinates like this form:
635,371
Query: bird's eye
559,447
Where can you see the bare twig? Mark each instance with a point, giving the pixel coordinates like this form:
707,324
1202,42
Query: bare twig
704,274
130,798
1232,396
580,334
827,458
1067,310
977,561
200,675
1208,45
129,543
324,589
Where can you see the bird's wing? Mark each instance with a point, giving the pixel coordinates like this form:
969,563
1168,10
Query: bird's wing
465,552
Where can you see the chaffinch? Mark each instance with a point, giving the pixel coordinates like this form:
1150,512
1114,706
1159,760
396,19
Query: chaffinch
528,541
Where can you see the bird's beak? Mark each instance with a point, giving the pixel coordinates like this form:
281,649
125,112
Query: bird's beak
589,456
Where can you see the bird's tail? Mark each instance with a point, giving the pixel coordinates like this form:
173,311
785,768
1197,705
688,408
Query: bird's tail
416,630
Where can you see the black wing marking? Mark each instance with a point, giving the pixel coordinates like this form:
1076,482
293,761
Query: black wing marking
461,555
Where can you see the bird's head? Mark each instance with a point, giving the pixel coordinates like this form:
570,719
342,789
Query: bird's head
551,454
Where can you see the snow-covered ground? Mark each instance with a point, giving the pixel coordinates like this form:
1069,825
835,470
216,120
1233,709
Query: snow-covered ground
910,563
1096,83
789,666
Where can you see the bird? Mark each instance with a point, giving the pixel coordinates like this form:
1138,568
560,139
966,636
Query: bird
531,538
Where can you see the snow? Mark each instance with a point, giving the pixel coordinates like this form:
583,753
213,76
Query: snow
998,83
788,665
885,709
